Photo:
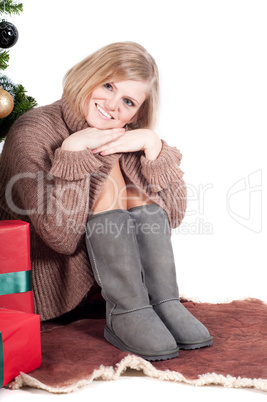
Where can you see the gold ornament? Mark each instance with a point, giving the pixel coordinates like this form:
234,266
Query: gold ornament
6,103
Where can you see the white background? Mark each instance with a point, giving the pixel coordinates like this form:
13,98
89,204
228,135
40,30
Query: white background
213,61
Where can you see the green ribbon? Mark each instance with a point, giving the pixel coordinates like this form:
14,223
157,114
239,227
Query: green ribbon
15,282
1,362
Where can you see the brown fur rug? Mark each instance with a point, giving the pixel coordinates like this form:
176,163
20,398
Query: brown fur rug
75,352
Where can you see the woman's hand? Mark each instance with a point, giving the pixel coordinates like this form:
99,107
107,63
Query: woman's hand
90,138
132,141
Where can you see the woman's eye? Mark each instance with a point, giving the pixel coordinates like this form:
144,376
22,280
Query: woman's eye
128,102
108,86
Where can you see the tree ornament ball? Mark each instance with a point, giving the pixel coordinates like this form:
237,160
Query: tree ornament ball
6,103
8,35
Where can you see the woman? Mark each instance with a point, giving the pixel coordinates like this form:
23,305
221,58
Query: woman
92,160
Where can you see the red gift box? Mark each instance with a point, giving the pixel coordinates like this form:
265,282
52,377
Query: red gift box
15,266
20,344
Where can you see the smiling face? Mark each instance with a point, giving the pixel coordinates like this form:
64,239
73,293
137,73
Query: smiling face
114,104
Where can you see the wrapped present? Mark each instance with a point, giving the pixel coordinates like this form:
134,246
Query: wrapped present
15,266
20,344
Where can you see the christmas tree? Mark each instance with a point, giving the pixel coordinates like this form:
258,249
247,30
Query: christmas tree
13,99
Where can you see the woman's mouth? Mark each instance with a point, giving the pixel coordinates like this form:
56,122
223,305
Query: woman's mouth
103,112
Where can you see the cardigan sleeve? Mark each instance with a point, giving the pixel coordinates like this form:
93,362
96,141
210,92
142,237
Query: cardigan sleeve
164,170
72,165
165,182
50,187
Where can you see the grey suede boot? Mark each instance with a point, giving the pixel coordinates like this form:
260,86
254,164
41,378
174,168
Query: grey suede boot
153,236
131,323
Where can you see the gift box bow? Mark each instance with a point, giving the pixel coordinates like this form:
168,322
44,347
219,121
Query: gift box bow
15,282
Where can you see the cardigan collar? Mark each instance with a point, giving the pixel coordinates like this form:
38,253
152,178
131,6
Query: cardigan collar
73,123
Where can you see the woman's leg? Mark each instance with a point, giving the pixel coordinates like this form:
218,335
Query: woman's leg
131,323
119,193
158,262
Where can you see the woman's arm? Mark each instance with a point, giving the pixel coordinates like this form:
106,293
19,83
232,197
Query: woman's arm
47,184
141,139
159,165
161,179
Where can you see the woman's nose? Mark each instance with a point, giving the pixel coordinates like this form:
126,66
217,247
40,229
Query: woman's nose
111,103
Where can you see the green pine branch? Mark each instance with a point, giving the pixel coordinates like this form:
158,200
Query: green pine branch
22,103
9,7
4,59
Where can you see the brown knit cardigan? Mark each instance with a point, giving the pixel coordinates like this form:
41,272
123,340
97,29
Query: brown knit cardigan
56,190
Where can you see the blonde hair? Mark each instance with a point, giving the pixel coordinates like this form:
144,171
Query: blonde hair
115,62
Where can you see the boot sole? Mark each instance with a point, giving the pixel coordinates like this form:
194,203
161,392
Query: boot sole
115,341
196,345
